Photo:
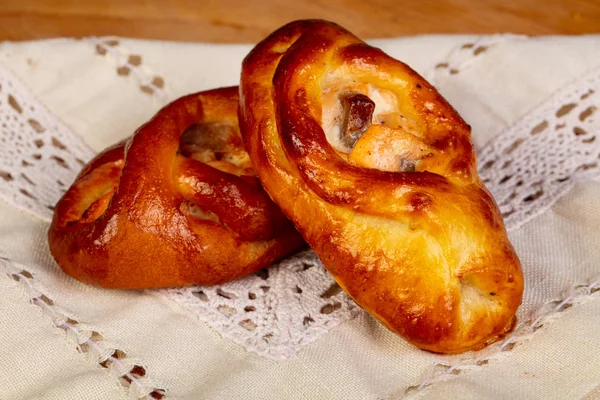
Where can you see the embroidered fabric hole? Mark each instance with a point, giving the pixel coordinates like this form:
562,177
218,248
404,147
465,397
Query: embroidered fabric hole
131,64
461,57
131,375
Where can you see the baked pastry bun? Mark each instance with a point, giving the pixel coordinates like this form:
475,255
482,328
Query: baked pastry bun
378,173
176,204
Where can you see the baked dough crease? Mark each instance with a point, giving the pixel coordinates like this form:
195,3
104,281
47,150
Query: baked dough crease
378,173
176,204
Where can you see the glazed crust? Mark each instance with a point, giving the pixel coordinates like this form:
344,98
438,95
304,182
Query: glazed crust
126,221
423,251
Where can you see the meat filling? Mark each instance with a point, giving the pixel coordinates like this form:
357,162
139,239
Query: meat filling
203,139
217,144
384,144
358,115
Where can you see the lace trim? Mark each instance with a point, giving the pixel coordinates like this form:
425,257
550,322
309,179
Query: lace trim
575,294
275,312
39,155
530,165
130,64
131,375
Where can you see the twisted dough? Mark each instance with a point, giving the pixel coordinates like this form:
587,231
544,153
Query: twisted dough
158,211
378,173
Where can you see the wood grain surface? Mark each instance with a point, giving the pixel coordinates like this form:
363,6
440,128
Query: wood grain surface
249,21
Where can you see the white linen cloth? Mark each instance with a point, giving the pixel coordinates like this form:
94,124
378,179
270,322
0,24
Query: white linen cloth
60,339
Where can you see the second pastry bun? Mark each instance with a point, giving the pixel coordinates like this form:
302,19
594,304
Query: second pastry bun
176,204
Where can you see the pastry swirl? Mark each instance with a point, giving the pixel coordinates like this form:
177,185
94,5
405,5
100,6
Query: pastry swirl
378,173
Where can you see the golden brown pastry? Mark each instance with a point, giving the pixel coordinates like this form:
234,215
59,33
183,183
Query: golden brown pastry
177,204
378,173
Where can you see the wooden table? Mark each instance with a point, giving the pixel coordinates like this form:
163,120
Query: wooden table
251,20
